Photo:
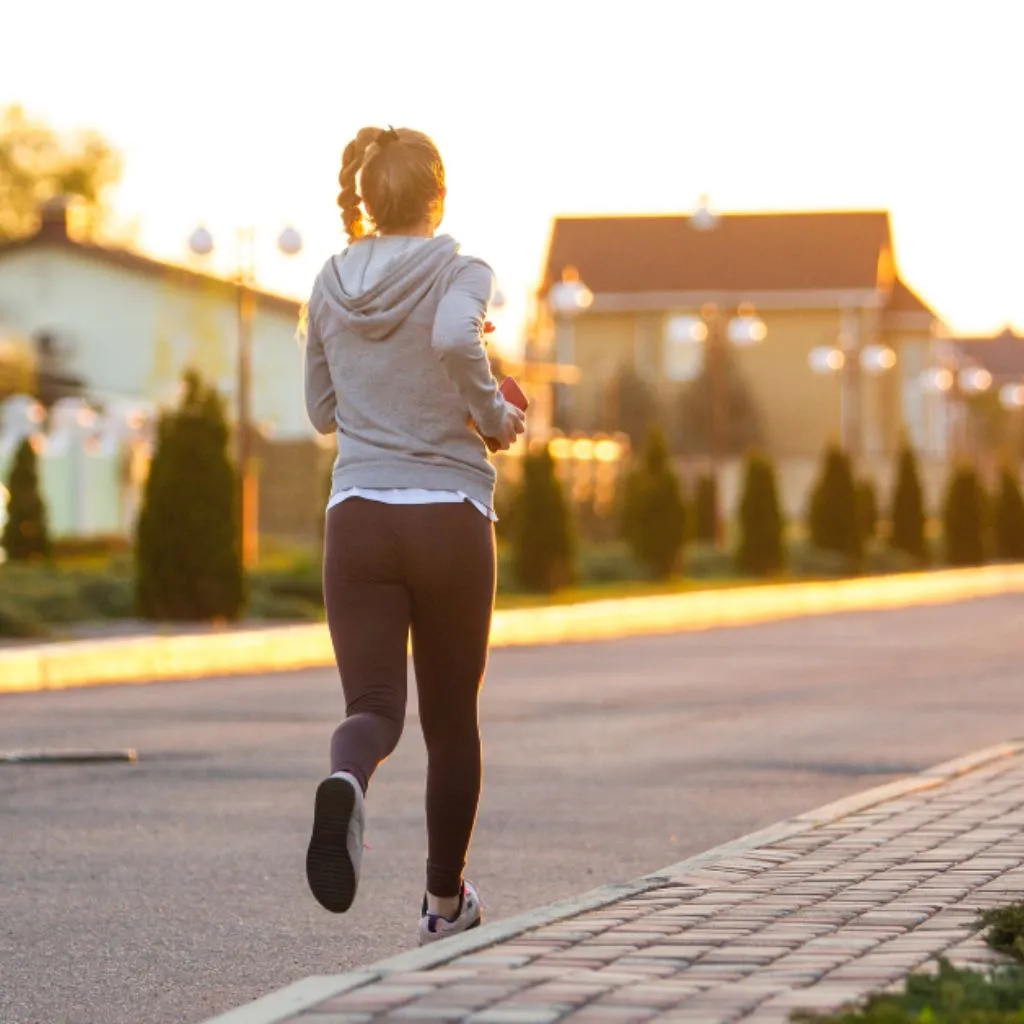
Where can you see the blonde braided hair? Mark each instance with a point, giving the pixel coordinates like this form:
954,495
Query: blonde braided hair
400,174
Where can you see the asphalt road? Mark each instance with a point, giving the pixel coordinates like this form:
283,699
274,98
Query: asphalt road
170,890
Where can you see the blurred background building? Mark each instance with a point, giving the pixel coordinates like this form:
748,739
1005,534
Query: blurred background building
101,336
781,330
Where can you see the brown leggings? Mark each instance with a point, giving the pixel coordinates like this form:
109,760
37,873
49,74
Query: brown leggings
431,569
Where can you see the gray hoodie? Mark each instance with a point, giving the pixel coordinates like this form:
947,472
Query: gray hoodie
395,363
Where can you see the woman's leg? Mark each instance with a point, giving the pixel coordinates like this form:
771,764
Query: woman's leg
451,563
368,612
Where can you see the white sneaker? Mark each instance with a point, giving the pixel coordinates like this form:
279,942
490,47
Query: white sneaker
336,847
469,915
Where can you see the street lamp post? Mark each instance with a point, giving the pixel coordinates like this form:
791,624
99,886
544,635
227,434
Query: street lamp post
708,335
1011,398
289,243
567,299
848,359
959,384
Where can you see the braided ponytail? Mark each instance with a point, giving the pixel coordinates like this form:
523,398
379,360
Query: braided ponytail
357,154
401,174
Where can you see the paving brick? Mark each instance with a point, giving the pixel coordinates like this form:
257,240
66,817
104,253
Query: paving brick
517,1015
312,1017
426,1014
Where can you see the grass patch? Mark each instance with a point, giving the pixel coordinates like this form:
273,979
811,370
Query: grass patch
951,995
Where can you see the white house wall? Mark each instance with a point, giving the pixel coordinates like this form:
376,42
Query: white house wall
134,333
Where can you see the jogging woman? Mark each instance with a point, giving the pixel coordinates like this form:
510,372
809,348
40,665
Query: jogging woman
396,366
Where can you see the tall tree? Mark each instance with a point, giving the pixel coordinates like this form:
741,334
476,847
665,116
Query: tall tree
761,548
188,552
630,406
542,536
38,163
1009,517
654,512
835,517
25,536
907,515
739,420
964,518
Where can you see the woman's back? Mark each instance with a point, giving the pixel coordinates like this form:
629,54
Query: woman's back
395,365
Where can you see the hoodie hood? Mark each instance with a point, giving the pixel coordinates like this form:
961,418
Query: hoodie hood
375,284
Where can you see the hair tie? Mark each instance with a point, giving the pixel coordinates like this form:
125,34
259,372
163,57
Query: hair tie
387,135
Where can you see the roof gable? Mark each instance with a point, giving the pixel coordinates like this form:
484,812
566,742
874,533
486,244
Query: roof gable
742,252
126,259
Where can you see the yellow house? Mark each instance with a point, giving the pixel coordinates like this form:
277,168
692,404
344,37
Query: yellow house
810,282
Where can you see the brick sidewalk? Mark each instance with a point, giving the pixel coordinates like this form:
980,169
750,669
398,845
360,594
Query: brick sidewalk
815,919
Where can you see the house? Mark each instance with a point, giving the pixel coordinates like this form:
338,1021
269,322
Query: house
1001,354
814,280
119,328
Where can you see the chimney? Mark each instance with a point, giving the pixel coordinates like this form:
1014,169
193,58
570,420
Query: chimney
53,219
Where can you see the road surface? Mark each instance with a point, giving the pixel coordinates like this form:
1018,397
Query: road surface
170,890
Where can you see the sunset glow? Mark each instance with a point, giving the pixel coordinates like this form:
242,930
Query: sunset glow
232,114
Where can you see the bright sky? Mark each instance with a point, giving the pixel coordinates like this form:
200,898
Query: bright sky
236,113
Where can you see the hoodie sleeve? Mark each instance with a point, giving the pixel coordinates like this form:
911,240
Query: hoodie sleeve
457,340
321,404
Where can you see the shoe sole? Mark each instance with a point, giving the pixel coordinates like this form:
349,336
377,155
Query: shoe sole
329,868
449,935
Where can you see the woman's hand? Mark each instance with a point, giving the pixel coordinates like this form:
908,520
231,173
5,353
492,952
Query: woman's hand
512,425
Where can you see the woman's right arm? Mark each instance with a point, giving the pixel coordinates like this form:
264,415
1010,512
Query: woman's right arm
457,340
321,402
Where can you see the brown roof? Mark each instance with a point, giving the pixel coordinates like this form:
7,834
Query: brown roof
53,234
742,252
1001,354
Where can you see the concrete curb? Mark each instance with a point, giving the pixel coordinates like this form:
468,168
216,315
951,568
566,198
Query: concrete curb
290,648
280,1005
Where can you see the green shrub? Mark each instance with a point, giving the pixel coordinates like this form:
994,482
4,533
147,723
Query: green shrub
867,510
834,521
19,621
807,559
1008,517
189,565
302,584
266,604
705,510
107,597
1004,929
54,595
952,996
880,559
653,514
709,562
25,535
542,538
760,551
608,563
907,517
964,516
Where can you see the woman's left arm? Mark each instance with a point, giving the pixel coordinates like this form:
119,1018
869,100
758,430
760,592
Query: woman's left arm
321,402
